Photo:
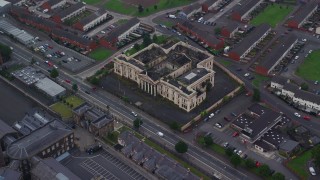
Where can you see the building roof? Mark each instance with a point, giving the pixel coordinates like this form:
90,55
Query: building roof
245,7
278,51
84,107
288,145
28,75
189,9
243,121
71,36
231,26
92,16
53,2
102,121
50,87
34,143
279,80
7,173
192,76
263,145
290,87
249,40
5,129
70,10
273,137
21,35
209,2
51,169
4,3
304,11
116,32
307,96
14,1
258,109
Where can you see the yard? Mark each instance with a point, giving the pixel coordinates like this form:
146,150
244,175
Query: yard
92,1
130,7
100,54
62,109
299,165
74,101
272,15
309,69
258,80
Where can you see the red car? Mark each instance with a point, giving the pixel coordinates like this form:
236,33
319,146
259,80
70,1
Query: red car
308,118
68,81
258,164
235,134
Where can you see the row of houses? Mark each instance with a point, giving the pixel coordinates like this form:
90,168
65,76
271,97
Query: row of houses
241,11
159,164
304,100
302,14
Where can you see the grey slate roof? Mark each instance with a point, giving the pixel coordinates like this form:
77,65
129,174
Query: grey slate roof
308,96
53,2
92,16
253,37
288,145
10,174
5,129
303,12
70,10
102,121
40,139
245,7
121,29
71,36
274,56
279,79
51,169
82,109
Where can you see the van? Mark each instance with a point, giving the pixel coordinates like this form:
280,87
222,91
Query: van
45,10
160,134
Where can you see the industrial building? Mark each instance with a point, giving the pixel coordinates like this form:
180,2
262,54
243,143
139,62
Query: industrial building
50,88
4,6
20,35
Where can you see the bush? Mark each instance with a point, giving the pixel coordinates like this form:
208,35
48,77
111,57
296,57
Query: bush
249,163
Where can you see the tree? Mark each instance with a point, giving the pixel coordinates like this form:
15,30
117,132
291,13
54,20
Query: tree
137,123
174,125
315,153
136,47
235,160
146,40
140,8
203,113
147,9
208,140
264,170
249,163
32,61
217,31
181,147
5,52
75,87
229,152
304,86
155,38
278,176
256,95
155,6
54,73
94,80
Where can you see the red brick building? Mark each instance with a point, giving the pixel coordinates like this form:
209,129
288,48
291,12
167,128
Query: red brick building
92,20
302,15
69,12
229,30
240,12
52,4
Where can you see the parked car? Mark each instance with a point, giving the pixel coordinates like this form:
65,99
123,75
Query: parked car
308,118
246,74
297,114
235,134
312,171
239,152
316,83
206,119
226,144
94,148
134,114
244,156
297,57
211,115
218,125
160,134
226,119
234,114
217,111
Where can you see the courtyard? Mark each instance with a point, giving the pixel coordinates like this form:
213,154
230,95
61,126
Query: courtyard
164,109
309,69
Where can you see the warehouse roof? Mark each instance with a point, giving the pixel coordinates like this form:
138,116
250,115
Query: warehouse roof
50,87
5,129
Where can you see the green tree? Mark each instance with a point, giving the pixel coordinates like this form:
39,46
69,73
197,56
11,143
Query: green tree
5,52
137,123
304,86
54,73
264,170
146,40
208,140
32,61
315,153
229,152
249,163
75,87
181,147
256,95
278,176
136,47
94,80
155,38
174,125
155,6
217,31
140,8
235,160
203,113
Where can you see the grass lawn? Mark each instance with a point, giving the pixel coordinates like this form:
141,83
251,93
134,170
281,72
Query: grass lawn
272,15
259,79
121,21
123,8
92,1
166,23
224,62
62,109
100,54
74,100
310,68
298,165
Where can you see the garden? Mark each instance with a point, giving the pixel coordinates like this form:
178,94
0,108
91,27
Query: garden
309,69
65,106
100,54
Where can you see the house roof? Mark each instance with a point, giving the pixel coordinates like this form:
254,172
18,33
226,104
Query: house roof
116,32
308,96
102,121
245,7
5,129
209,2
84,107
288,145
70,10
7,173
290,87
304,11
231,26
32,144
278,51
253,37
71,36
258,109
279,80
53,2
92,16
263,145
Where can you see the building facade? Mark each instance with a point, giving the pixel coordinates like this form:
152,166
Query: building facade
53,4
180,73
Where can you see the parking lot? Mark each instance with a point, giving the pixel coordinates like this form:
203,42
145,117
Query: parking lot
103,165
60,56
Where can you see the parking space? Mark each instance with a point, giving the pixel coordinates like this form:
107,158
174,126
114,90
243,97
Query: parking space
96,170
58,56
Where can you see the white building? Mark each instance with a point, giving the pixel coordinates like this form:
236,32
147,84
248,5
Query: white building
50,88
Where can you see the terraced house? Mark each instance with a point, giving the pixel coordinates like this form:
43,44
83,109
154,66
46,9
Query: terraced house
181,73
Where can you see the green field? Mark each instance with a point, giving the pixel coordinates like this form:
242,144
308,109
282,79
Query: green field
74,100
272,15
92,1
299,165
100,54
123,8
62,109
310,68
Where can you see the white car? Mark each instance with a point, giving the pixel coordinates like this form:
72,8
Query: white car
211,115
160,134
102,32
239,152
304,40
297,114
310,51
246,74
218,125
297,57
56,67
134,114
312,171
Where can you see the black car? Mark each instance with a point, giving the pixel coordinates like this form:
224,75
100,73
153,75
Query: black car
94,148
